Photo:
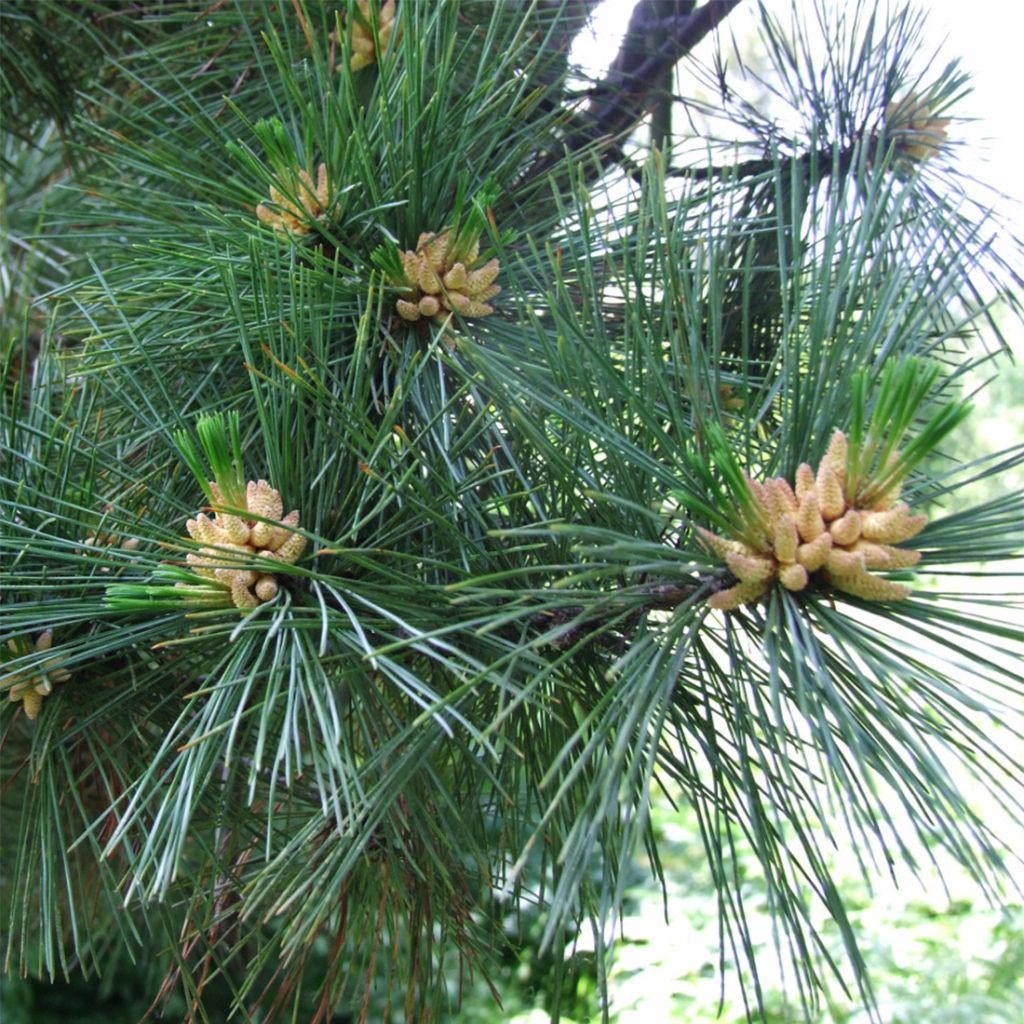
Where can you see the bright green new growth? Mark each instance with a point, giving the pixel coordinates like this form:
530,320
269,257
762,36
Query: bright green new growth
174,589
733,499
471,219
878,460
219,448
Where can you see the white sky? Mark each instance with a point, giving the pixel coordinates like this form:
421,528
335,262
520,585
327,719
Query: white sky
987,36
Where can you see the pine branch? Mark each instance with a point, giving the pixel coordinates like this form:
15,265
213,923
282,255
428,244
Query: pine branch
565,627
502,634
660,34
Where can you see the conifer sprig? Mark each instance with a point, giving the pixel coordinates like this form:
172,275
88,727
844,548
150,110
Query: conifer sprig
497,643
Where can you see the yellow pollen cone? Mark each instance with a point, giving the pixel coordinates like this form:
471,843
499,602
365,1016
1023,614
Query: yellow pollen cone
785,538
846,529
736,596
830,493
813,555
871,588
750,568
793,577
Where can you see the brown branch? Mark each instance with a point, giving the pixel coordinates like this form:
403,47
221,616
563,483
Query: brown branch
656,597
827,161
660,34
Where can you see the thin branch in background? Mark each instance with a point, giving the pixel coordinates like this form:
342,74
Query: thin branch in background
660,34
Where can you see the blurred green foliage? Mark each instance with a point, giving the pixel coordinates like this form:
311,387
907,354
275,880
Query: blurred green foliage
940,956
936,957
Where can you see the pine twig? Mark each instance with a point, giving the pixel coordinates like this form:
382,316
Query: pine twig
660,34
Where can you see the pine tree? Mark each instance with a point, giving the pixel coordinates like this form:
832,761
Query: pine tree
410,465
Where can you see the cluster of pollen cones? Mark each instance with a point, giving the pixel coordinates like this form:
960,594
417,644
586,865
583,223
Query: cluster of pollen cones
816,532
364,46
439,285
917,133
296,209
232,543
31,685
